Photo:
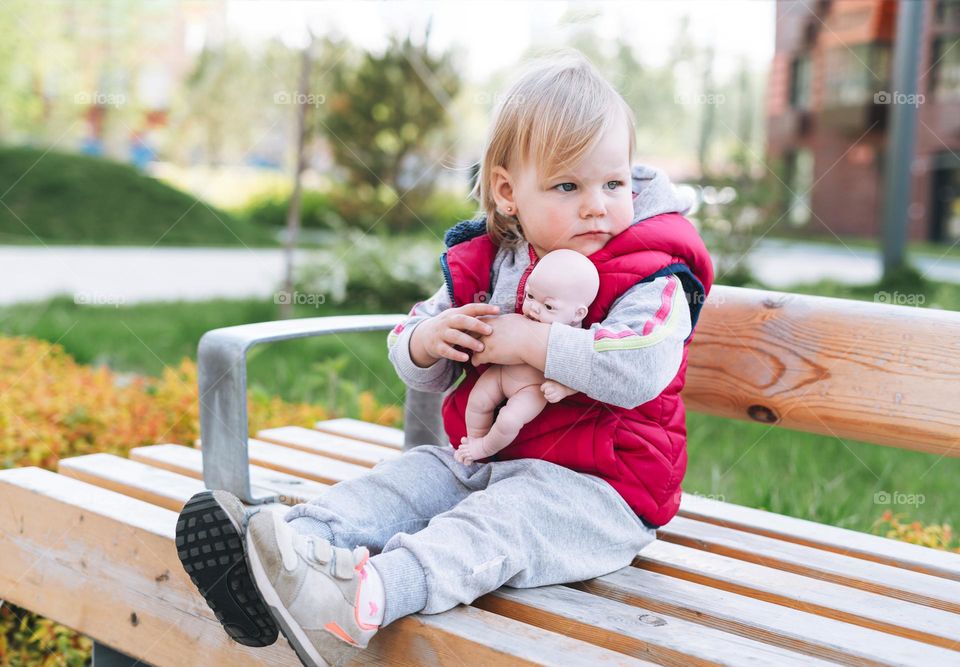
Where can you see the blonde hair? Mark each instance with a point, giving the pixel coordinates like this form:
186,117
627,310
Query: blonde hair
553,114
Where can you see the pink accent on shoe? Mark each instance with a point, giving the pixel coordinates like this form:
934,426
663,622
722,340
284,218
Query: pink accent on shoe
373,607
356,604
363,575
338,631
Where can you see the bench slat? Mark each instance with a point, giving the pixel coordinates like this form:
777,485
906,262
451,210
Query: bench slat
825,638
822,536
137,480
105,564
293,462
189,461
361,430
663,639
325,444
851,605
867,575
849,369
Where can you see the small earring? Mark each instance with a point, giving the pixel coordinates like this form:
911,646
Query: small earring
509,210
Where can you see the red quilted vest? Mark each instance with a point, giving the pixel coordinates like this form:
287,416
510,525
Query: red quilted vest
641,451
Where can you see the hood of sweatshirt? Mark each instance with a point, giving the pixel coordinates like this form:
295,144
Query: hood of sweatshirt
653,193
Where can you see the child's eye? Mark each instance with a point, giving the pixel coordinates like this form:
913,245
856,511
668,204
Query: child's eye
563,189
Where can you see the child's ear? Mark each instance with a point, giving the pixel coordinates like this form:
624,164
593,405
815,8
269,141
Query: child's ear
502,188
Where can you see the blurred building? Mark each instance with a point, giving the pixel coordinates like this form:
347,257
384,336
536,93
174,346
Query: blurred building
135,58
828,109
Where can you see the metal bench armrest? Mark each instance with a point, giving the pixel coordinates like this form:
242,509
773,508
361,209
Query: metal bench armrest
222,375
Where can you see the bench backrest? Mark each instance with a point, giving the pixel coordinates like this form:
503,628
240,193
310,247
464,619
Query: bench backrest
880,373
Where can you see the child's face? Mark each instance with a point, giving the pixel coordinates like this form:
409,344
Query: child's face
593,196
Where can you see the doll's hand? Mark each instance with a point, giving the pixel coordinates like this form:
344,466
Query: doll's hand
554,391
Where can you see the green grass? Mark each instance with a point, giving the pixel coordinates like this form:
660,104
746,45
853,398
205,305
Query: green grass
56,198
799,474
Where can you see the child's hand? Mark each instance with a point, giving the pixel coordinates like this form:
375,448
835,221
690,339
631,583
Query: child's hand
438,336
506,344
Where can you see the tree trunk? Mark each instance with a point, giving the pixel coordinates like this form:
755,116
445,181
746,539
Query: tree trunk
286,297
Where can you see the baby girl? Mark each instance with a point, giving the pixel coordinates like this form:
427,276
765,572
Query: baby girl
559,289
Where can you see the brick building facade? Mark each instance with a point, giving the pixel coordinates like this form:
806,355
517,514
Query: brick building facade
828,105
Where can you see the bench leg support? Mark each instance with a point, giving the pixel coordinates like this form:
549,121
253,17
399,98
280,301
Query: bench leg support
104,656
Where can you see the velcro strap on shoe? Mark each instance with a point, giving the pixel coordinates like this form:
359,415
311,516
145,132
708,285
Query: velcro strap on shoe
343,563
322,551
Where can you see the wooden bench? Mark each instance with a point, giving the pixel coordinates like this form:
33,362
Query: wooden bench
93,546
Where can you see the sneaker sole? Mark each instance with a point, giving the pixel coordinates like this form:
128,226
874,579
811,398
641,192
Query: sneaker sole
291,629
211,548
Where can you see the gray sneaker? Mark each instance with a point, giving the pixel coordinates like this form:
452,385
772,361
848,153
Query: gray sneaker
210,546
311,589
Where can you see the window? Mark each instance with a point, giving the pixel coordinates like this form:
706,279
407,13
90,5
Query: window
945,226
800,83
854,75
948,12
800,179
946,68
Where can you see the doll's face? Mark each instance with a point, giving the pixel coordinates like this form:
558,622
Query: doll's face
543,305
560,288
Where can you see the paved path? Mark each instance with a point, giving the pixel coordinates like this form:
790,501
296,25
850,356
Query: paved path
110,275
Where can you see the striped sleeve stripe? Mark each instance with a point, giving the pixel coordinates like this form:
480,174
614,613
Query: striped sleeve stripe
661,325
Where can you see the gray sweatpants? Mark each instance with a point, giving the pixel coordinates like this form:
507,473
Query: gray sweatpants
445,533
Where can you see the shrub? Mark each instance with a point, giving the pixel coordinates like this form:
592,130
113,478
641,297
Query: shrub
365,209
52,407
374,273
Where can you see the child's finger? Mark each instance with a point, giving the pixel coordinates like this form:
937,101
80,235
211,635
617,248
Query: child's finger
467,323
450,353
480,309
455,337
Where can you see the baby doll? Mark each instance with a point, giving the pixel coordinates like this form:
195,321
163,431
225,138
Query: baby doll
560,288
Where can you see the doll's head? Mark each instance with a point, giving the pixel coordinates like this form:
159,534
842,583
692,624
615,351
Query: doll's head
561,288
556,163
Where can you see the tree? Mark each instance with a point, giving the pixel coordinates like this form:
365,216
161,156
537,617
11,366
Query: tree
381,118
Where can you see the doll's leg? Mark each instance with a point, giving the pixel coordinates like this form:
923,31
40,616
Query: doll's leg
486,395
520,409
536,524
